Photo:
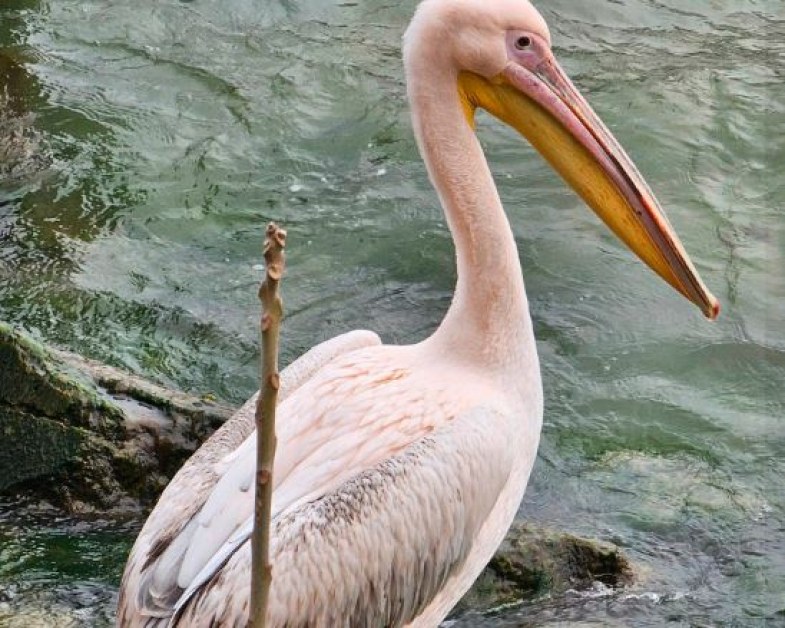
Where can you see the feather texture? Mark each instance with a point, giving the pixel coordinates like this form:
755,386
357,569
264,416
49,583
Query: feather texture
350,557
149,588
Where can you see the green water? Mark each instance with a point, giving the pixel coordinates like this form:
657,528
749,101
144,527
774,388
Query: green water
170,132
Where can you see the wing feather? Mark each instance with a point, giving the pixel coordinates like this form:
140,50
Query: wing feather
379,548
149,587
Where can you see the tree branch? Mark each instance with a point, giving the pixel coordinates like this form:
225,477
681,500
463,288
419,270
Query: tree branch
272,312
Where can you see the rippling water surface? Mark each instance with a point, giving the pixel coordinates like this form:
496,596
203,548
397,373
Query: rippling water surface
169,132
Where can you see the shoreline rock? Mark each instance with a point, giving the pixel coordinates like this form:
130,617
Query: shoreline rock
86,436
535,561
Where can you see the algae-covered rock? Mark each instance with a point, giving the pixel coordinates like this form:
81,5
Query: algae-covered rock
534,561
81,434
33,446
32,378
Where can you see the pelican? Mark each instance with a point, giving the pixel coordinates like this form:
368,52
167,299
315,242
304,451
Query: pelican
400,468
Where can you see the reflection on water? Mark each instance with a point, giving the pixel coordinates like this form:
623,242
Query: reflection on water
172,139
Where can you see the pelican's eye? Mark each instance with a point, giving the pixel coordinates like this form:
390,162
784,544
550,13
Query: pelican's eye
523,42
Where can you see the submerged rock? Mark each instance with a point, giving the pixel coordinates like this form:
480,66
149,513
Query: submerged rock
21,153
84,435
535,561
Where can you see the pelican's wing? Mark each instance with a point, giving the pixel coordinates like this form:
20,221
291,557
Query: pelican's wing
189,489
378,549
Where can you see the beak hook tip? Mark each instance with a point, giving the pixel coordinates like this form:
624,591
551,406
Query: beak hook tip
713,310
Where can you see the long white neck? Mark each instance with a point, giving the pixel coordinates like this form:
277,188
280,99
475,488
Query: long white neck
489,315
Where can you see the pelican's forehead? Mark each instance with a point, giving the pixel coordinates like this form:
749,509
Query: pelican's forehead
490,15
517,15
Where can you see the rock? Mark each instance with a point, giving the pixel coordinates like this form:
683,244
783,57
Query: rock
21,154
33,379
84,435
534,561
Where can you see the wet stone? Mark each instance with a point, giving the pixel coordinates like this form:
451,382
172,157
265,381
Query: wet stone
534,561
86,436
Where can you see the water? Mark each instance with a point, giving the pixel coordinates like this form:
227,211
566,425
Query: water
171,132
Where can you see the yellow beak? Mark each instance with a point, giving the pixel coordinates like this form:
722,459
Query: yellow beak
548,110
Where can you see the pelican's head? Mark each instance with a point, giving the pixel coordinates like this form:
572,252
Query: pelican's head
499,52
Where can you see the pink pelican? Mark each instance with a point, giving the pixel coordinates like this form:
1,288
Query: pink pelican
400,468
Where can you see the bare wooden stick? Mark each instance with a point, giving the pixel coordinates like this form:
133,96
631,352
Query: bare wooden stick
272,312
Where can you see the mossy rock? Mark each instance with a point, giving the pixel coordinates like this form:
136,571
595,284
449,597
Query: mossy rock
34,446
534,562
31,378
84,435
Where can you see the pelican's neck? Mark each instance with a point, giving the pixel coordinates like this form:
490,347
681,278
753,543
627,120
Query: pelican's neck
489,314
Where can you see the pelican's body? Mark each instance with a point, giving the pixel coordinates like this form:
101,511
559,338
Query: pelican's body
399,469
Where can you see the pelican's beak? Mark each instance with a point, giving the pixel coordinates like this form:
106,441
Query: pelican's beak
545,107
